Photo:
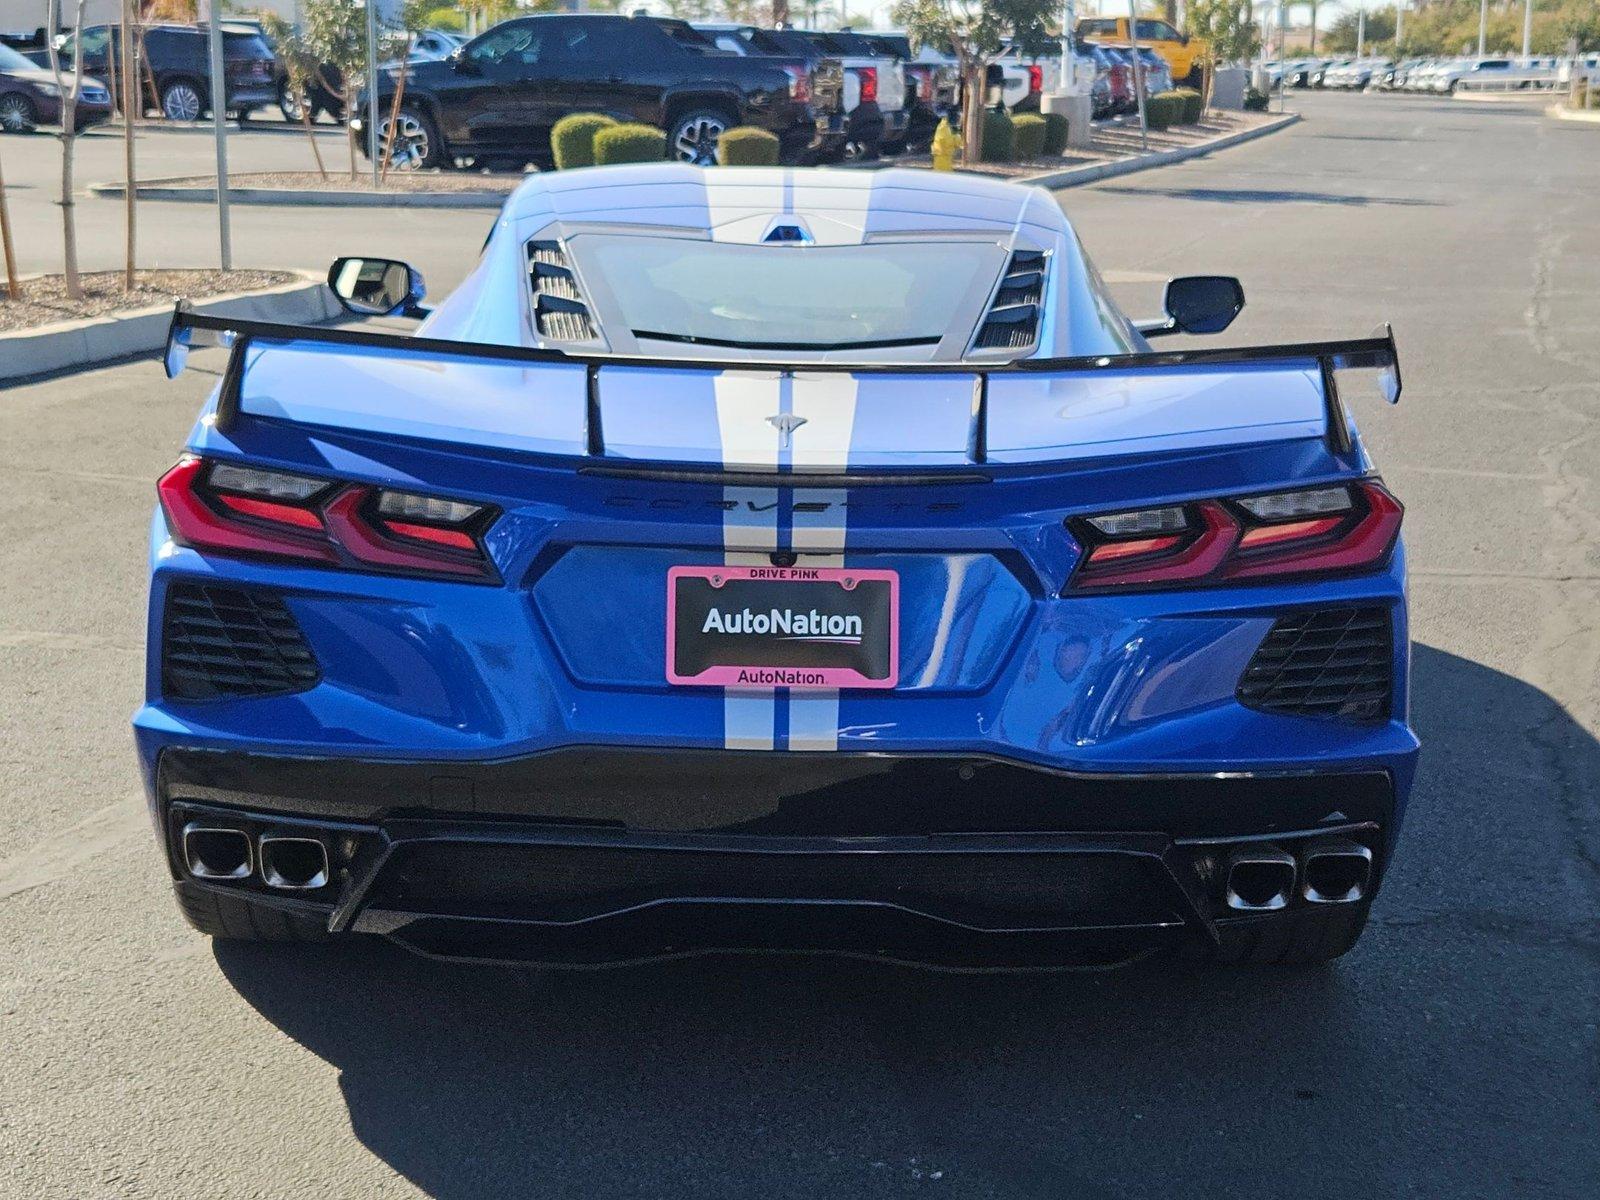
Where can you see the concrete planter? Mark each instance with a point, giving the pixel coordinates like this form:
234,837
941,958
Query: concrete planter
96,341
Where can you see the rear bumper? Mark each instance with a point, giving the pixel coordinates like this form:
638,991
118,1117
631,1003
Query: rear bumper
585,856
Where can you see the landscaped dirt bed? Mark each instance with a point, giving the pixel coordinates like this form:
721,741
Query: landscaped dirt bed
44,299
340,181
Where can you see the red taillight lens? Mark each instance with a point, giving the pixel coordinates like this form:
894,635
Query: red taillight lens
869,83
229,509
1308,531
799,84
1035,79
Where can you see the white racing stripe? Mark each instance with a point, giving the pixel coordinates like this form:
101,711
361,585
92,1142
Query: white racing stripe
828,404
749,529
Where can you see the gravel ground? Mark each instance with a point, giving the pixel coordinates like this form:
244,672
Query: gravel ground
44,299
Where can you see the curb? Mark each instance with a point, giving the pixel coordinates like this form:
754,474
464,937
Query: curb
1583,116
97,341
171,189
1078,176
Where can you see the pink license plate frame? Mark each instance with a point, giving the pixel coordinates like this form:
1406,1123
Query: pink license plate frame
759,675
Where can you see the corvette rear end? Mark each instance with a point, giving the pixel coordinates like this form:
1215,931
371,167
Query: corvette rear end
969,633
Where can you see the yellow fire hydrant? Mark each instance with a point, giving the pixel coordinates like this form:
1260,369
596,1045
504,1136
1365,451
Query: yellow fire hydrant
945,145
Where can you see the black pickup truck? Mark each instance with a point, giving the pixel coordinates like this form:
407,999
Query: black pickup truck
494,100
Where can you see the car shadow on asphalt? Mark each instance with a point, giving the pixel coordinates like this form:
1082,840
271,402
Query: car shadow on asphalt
774,1076
1270,196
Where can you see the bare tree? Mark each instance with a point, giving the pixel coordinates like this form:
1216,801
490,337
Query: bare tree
69,139
300,64
13,288
127,61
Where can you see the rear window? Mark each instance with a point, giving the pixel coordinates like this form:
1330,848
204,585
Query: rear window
789,297
244,45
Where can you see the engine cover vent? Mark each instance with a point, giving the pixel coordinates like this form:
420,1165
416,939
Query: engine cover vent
558,305
1012,321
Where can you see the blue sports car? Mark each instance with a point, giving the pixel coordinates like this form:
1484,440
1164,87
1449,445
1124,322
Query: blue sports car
778,559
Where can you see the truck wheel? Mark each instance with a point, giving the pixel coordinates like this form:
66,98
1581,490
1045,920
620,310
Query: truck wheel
17,114
1313,935
233,918
292,104
417,146
181,100
694,136
868,151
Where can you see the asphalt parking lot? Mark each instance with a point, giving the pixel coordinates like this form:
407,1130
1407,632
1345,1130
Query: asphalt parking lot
1454,1053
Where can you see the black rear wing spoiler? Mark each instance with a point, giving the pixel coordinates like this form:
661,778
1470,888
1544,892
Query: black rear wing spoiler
190,329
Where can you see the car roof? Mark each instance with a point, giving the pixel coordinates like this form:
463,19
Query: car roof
741,204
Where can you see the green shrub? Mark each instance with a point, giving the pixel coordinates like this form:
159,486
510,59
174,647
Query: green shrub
1255,100
1055,133
747,146
999,137
1163,110
1027,135
1193,106
629,144
572,139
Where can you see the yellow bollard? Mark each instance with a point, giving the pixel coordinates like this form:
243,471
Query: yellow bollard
945,145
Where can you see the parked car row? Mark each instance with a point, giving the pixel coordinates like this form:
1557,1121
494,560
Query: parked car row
492,102
1440,75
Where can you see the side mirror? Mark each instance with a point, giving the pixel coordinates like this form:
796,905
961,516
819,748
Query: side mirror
1203,303
377,287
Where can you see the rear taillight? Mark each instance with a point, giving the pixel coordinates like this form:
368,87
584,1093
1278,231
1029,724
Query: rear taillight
1035,80
1308,531
229,509
869,83
799,84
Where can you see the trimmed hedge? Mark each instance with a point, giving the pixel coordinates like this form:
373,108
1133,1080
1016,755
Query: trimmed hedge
629,144
1027,135
1055,133
1193,105
1163,110
1255,100
572,139
999,136
748,146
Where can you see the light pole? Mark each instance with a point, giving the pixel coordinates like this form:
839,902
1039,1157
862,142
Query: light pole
372,89
1483,27
219,129
1361,31
1527,27
1138,72
1399,26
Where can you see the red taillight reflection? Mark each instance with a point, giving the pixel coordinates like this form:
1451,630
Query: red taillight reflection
869,83
799,84
1035,79
1225,542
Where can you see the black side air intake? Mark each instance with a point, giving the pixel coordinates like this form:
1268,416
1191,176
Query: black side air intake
1331,662
1013,318
558,305
221,642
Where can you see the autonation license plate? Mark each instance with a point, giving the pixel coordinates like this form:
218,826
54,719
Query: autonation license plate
828,627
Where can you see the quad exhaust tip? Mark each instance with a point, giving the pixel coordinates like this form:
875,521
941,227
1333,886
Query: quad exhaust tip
1260,878
1336,871
212,853
295,864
